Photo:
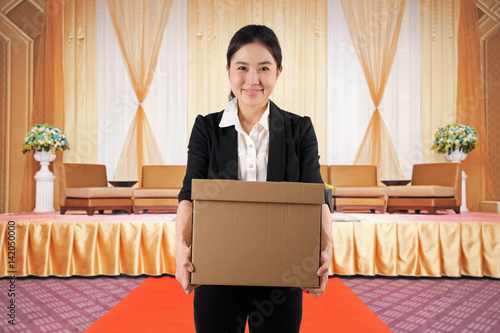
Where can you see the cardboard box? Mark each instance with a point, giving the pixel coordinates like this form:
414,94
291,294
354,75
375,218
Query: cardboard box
256,233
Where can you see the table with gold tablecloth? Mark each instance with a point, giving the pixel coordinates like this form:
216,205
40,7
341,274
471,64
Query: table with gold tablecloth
148,247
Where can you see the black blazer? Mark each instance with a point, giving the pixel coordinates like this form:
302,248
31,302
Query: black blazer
213,151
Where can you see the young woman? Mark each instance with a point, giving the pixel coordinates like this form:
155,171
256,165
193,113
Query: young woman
252,139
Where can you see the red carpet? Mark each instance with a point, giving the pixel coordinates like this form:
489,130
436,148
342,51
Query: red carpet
160,305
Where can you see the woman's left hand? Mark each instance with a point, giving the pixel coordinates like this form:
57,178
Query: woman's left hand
326,252
323,276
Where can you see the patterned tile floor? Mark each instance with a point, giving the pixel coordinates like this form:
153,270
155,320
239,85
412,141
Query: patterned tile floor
404,304
430,304
62,304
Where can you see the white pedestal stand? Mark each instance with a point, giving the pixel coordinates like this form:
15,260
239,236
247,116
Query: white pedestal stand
463,208
458,156
44,183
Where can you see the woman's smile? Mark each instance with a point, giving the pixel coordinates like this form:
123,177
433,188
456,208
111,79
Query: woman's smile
252,92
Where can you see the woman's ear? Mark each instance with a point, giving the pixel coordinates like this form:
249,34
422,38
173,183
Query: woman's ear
278,72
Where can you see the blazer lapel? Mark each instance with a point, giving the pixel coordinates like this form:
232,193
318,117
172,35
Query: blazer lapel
277,144
228,153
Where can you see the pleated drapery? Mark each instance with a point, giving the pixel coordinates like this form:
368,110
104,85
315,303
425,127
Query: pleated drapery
374,28
139,26
438,36
350,105
48,99
416,249
80,80
65,93
470,104
148,247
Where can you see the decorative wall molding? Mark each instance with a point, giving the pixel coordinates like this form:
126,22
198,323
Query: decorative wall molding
489,34
489,20
17,105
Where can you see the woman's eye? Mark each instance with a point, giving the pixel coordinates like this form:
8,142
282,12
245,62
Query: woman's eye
242,68
264,68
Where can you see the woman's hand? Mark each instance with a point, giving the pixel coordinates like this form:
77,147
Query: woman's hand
326,252
184,267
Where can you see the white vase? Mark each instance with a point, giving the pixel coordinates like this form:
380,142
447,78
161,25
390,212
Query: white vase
457,156
44,182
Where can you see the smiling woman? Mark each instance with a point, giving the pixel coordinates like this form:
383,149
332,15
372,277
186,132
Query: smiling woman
252,139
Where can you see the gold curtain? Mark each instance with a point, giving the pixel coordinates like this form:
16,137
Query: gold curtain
139,26
80,80
438,35
374,28
301,26
48,100
470,104
65,87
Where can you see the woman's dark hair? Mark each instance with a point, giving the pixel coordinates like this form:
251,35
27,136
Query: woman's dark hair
254,34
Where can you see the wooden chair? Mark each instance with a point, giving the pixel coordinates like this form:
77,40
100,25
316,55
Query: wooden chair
85,187
160,186
356,188
434,186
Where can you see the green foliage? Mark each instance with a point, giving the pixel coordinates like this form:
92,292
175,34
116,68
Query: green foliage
455,137
43,137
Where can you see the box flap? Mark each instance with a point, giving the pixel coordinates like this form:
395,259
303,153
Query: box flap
249,191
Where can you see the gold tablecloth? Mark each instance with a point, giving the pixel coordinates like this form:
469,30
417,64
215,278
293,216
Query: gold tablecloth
367,248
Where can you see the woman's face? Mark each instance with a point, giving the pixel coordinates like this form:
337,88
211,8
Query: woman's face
253,74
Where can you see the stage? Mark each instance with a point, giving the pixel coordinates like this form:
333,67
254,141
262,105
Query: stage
50,244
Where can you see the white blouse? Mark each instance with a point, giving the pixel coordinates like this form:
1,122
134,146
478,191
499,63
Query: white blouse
253,148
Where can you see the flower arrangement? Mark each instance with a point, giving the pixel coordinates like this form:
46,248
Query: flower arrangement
455,137
43,137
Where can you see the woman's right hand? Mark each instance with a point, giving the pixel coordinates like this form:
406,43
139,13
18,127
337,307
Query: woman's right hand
184,267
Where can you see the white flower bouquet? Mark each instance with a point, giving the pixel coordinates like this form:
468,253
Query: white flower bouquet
43,137
455,137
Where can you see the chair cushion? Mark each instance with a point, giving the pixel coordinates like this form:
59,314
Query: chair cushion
420,191
99,192
360,191
155,202
353,175
84,175
166,176
359,202
152,192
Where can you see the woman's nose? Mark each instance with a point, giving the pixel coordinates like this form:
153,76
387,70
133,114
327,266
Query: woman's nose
252,77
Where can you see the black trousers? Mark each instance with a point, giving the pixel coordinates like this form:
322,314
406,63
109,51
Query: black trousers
226,309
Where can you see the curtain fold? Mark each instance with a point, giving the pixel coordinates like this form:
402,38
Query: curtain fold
350,106
139,26
48,97
374,28
470,104
140,130
80,80
438,36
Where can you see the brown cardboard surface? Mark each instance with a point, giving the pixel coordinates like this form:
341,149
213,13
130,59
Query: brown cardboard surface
256,233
